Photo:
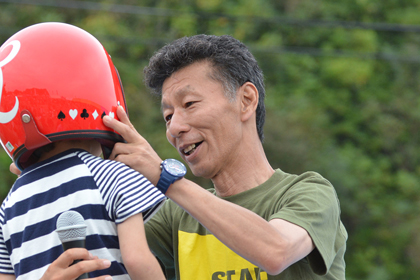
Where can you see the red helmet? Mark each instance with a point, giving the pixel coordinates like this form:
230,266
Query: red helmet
56,82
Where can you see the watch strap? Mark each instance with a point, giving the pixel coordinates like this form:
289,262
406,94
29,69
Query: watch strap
165,181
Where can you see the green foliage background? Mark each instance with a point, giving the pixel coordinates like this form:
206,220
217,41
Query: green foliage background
343,99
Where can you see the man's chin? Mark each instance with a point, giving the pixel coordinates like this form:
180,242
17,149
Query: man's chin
199,172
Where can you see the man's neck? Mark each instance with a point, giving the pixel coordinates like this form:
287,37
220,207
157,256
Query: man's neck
247,172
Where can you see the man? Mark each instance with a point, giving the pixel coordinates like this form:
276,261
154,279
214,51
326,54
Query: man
257,222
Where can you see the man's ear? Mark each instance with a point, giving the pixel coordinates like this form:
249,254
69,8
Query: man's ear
249,101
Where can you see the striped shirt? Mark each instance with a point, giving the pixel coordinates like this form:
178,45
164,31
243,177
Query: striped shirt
104,192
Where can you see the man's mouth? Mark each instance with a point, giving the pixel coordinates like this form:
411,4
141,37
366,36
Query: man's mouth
191,148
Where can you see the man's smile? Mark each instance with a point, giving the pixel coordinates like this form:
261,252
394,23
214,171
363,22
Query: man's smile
191,148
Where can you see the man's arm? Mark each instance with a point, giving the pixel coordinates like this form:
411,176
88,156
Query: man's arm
273,245
136,255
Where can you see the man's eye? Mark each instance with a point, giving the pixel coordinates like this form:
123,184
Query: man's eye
188,104
168,118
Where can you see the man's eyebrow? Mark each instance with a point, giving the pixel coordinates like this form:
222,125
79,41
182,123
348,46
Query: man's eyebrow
164,106
178,94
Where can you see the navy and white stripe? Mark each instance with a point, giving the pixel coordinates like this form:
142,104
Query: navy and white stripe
104,192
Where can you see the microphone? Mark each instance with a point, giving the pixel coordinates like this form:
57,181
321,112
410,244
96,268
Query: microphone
71,229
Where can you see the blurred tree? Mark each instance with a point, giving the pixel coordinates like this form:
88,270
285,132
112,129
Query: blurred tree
342,81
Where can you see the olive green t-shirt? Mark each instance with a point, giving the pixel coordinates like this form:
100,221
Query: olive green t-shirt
188,251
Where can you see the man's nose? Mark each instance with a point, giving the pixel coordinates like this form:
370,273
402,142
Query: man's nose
178,125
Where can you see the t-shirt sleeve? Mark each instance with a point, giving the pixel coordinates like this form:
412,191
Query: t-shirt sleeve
5,263
126,192
312,204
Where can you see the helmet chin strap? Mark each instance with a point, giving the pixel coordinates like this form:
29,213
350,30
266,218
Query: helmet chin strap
34,138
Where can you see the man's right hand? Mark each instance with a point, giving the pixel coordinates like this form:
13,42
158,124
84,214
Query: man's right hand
62,268
137,153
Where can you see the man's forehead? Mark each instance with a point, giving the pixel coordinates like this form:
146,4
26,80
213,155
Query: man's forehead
177,94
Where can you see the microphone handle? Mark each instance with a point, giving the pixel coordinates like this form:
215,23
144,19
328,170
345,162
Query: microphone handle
76,244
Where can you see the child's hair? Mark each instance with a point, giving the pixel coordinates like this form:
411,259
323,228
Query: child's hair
36,155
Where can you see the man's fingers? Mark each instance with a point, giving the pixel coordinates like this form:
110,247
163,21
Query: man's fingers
13,168
70,255
63,267
123,126
116,125
122,115
106,277
87,266
124,158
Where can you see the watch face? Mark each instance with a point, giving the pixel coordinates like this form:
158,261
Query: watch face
175,167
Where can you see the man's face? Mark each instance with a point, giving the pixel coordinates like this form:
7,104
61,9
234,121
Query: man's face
201,122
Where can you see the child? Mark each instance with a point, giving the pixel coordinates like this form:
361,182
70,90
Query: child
56,82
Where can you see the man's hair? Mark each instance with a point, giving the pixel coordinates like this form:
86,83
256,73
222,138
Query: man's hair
232,62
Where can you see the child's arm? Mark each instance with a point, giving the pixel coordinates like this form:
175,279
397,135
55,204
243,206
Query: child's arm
136,255
7,276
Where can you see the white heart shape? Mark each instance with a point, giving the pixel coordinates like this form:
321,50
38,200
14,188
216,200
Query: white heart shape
73,113
111,114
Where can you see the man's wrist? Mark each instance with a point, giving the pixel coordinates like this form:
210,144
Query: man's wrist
172,170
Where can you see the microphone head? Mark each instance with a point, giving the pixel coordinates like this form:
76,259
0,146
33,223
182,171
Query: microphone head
71,226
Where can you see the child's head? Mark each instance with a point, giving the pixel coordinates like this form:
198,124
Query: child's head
56,83
90,145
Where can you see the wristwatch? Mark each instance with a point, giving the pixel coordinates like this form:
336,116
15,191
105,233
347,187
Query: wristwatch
172,170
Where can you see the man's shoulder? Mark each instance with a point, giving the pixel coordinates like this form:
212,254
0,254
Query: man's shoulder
308,178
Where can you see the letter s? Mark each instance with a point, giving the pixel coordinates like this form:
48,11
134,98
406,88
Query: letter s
216,275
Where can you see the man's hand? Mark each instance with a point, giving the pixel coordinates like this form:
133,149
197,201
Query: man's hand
137,152
13,168
61,268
